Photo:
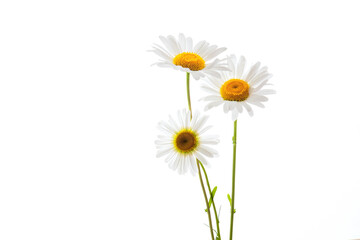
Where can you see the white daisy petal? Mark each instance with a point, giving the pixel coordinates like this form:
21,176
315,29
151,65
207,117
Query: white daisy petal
163,152
259,79
175,163
266,92
231,63
220,68
201,158
159,142
193,165
185,114
161,54
205,152
163,138
181,167
240,67
163,127
180,119
174,44
204,129
256,89
163,64
212,73
199,46
209,50
214,63
189,44
196,75
210,89
157,46
200,123
194,119
213,104
202,49
256,103
224,77
173,123
215,83
226,106
170,156
248,109
233,105
215,53
212,151
187,160
184,164
212,98
168,126
168,45
259,98
182,42
239,107
234,115
252,71
211,141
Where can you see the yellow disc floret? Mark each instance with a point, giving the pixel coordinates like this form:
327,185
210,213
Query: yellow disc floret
235,90
189,60
186,141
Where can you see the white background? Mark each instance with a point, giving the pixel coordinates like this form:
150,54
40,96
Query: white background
79,105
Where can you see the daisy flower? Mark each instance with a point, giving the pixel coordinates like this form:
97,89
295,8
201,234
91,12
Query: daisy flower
237,89
181,55
183,142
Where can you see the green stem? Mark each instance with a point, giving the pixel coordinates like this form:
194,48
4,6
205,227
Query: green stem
213,202
188,92
233,181
201,181
206,201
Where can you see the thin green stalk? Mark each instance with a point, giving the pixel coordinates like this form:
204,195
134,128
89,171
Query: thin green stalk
213,202
188,92
200,177
233,181
206,201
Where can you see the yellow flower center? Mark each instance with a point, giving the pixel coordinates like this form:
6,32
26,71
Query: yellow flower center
189,60
235,90
186,141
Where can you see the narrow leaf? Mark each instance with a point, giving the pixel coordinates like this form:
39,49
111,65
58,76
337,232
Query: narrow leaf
230,202
229,198
211,198
214,191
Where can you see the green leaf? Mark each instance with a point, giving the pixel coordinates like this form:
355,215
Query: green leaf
230,202
217,236
211,198
229,198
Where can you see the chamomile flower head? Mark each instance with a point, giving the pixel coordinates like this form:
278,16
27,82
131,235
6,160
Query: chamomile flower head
180,54
183,141
238,89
